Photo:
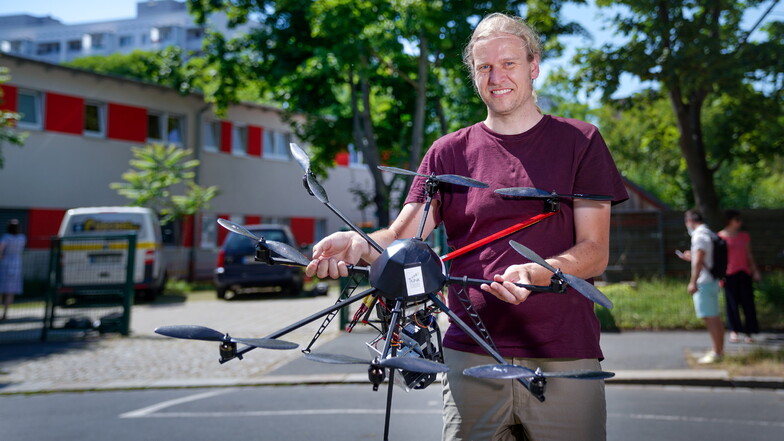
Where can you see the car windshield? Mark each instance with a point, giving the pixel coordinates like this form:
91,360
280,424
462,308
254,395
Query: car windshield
238,244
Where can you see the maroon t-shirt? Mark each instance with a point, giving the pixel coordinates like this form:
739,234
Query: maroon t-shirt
563,155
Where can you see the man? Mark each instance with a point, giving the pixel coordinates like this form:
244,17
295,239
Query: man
515,146
703,288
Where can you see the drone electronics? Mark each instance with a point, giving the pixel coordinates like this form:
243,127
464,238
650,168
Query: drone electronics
407,276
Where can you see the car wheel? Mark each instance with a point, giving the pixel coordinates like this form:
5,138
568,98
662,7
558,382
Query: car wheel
295,288
220,293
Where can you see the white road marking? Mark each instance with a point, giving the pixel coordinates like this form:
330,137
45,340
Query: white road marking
147,411
276,413
700,420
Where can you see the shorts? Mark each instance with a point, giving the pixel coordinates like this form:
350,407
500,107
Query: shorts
503,410
706,299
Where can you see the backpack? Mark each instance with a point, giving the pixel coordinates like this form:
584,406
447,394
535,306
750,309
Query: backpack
719,268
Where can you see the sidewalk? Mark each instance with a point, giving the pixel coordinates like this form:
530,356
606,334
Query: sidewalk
147,360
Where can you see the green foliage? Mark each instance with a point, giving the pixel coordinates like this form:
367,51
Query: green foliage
159,172
8,120
164,67
664,303
725,89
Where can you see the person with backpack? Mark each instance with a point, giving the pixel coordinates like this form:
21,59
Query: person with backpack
742,271
703,285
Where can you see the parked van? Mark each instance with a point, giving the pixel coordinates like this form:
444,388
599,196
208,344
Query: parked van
100,263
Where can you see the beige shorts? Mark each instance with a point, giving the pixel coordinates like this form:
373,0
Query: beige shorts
503,410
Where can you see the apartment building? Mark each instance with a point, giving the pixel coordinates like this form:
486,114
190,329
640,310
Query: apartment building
158,24
82,126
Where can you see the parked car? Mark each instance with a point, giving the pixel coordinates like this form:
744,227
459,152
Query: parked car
238,272
102,262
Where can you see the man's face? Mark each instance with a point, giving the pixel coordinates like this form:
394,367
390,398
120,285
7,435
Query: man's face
503,75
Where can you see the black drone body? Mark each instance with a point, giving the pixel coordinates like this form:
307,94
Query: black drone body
407,267
408,274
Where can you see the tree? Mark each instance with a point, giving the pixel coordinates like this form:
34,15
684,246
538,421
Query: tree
165,67
385,76
8,121
696,51
159,172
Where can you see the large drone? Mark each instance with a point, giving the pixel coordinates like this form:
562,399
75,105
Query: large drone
408,275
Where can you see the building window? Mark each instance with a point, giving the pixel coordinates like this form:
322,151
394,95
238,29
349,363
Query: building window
209,231
162,34
164,128
355,156
276,144
94,118
74,45
194,34
125,40
212,136
48,48
29,106
239,140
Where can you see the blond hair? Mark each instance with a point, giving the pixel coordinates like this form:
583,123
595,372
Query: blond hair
504,24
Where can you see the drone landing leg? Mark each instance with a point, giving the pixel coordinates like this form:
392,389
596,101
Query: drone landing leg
390,388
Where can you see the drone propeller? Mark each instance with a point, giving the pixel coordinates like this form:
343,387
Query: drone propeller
511,371
449,179
404,363
583,287
300,156
284,250
194,332
528,192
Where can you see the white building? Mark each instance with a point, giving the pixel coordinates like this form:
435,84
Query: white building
81,128
158,24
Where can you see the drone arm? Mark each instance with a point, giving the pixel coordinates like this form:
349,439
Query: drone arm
503,233
474,336
310,319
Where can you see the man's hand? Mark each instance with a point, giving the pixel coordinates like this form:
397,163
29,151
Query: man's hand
504,286
333,253
692,288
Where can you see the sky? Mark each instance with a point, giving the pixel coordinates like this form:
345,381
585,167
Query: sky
85,11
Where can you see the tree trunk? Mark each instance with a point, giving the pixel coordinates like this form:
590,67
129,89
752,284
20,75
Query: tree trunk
365,140
693,151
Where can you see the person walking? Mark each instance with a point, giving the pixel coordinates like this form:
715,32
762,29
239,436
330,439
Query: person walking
515,146
703,287
742,271
12,244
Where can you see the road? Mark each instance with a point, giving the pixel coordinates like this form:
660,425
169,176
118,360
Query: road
355,412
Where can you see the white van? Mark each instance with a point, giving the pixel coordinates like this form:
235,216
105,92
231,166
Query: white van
102,262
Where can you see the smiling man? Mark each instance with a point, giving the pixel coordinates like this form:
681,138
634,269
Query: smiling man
515,146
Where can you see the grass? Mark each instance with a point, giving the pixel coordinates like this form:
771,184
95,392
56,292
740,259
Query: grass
663,303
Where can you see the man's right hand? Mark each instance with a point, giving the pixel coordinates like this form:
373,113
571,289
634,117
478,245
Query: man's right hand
333,253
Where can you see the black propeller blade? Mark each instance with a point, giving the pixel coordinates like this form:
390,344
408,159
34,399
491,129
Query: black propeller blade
511,371
194,332
284,250
528,192
449,179
404,363
583,287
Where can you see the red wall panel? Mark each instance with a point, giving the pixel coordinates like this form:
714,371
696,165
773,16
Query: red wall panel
9,100
42,225
304,229
187,230
342,159
64,113
225,146
127,123
252,220
254,140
